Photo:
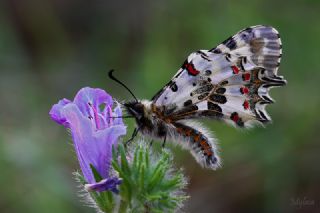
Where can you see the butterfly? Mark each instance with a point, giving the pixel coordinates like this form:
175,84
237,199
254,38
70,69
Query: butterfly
230,82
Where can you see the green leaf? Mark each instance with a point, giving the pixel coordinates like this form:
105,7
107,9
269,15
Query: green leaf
156,178
80,178
124,161
114,153
140,159
122,173
150,184
142,177
147,157
95,173
175,182
135,159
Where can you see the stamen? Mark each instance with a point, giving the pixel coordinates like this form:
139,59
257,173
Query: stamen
110,114
96,116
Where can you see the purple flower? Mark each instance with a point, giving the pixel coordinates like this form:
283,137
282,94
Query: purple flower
93,132
105,184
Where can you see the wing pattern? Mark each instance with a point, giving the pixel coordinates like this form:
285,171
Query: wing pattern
229,82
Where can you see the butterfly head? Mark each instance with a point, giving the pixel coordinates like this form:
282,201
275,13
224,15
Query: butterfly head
140,110
135,108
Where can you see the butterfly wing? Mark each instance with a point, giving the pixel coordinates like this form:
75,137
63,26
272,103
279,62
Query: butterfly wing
229,82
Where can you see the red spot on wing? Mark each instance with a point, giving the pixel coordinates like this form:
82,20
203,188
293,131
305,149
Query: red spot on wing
244,90
191,70
246,104
235,117
246,76
235,69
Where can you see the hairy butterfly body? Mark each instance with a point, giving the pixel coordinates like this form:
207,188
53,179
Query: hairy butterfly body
230,82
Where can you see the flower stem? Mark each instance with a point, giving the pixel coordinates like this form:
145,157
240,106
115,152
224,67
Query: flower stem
123,206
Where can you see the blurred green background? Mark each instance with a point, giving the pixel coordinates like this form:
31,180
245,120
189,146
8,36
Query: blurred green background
49,49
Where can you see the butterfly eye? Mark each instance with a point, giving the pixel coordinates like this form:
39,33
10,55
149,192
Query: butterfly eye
139,108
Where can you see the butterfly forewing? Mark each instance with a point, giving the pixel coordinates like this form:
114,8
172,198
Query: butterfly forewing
229,82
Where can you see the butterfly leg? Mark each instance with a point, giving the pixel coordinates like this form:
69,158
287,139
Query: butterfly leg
134,134
164,141
151,142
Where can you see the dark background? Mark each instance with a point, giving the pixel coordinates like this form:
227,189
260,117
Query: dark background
49,49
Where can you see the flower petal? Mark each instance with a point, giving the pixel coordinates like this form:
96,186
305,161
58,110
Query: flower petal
105,139
109,184
95,97
117,112
84,143
55,112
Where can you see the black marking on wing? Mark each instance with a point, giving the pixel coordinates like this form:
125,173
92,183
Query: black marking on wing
168,110
174,87
203,95
215,108
208,72
230,43
224,83
203,55
179,74
221,90
263,115
187,103
241,63
215,50
228,56
205,88
218,98
268,100
184,112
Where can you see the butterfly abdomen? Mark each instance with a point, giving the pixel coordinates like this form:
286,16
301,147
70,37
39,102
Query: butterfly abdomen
198,141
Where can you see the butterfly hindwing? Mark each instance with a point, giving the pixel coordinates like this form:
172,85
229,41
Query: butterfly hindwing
260,44
229,82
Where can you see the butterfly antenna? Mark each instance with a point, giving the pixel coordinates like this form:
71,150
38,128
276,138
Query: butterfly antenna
119,82
125,116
